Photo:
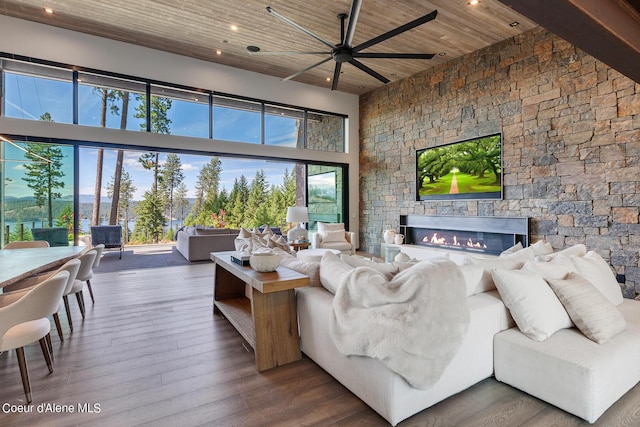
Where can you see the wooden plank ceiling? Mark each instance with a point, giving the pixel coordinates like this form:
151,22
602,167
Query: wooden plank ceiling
198,28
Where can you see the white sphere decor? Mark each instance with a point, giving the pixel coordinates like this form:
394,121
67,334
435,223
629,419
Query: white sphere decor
264,261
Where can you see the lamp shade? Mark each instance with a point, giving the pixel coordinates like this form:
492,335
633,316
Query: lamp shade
297,214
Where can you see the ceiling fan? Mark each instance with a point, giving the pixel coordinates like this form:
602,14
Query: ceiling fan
344,51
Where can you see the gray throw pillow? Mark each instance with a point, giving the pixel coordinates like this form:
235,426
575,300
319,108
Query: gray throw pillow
596,317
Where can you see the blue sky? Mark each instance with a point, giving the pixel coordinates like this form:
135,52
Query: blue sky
30,97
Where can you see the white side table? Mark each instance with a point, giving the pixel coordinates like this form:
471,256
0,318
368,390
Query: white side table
309,255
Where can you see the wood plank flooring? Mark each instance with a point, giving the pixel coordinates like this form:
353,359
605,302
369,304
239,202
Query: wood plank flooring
151,352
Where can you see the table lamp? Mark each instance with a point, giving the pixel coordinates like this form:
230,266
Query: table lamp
297,214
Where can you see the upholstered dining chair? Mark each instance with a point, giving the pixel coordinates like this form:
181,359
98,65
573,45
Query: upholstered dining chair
86,274
26,244
17,290
27,321
86,266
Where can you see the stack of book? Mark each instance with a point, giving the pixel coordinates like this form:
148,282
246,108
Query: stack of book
240,258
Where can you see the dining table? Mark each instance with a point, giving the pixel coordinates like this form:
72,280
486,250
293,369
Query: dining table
18,264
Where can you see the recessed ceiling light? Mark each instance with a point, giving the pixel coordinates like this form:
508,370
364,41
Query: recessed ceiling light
474,2
218,52
514,24
48,10
234,27
394,74
328,79
442,54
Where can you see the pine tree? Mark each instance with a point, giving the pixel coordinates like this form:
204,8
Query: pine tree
171,176
207,185
150,222
44,177
256,200
126,193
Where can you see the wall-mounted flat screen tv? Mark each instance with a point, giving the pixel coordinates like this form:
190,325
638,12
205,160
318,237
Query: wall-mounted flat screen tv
463,170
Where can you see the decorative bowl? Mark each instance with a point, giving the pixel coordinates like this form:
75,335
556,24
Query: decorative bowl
264,261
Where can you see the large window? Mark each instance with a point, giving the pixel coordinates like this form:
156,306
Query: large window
110,102
179,112
237,120
38,189
326,194
284,127
35,92
55,93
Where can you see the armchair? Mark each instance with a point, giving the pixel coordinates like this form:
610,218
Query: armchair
334,236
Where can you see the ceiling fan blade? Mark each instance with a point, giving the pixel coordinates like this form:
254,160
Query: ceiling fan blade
395,55
294,25
293,76
369,71
353,19
395,32
336,76
288,53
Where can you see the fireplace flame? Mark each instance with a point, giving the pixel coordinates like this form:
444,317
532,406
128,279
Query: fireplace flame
442,241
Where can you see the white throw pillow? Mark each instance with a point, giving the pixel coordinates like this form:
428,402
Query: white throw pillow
596,270
542,248
334,236
472,277
488,264
551,269
532,303
515,248
332,271
596,317
575,250
311,269
389,270
522,255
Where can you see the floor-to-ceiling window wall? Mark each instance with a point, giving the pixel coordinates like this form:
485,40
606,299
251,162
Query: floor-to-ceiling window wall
89,98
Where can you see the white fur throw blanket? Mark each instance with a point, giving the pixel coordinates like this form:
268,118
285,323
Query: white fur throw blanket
414,323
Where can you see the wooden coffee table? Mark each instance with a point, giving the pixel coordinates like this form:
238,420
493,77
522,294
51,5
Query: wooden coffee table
261,306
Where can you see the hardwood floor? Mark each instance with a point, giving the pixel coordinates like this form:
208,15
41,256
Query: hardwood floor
151,352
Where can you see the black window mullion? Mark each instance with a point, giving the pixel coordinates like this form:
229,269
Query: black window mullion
262,123
75,98
148,106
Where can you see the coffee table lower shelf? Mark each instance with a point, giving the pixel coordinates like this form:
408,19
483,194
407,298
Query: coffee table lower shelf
238,312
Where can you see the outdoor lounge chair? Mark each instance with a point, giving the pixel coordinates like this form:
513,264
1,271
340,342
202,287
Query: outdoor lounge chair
108,235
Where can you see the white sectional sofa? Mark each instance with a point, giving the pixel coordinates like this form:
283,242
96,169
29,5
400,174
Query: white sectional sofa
380,388
563,367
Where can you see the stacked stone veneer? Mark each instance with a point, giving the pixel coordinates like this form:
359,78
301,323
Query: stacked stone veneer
571,134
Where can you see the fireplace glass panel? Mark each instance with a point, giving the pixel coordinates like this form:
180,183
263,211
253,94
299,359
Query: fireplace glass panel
472,241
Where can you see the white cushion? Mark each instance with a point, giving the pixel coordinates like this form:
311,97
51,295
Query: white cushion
515,248
575,250
596,270
523,255
558,268
332,270
596,317
472,276
389,270
533,305
323,228
488,264
334,236
311,269
542,248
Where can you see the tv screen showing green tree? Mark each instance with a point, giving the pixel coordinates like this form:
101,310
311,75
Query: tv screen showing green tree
463,170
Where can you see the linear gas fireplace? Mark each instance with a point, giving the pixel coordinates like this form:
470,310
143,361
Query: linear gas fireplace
490,235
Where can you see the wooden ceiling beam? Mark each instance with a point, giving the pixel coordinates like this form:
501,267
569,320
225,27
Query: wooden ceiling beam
607,30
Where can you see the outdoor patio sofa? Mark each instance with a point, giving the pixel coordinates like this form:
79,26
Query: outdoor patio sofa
197,243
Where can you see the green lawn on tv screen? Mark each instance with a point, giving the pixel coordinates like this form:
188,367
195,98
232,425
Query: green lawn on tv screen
467,184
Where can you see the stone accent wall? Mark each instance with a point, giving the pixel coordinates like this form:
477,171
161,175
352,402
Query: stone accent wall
571,135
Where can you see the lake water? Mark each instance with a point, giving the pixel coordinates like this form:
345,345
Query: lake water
84,225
